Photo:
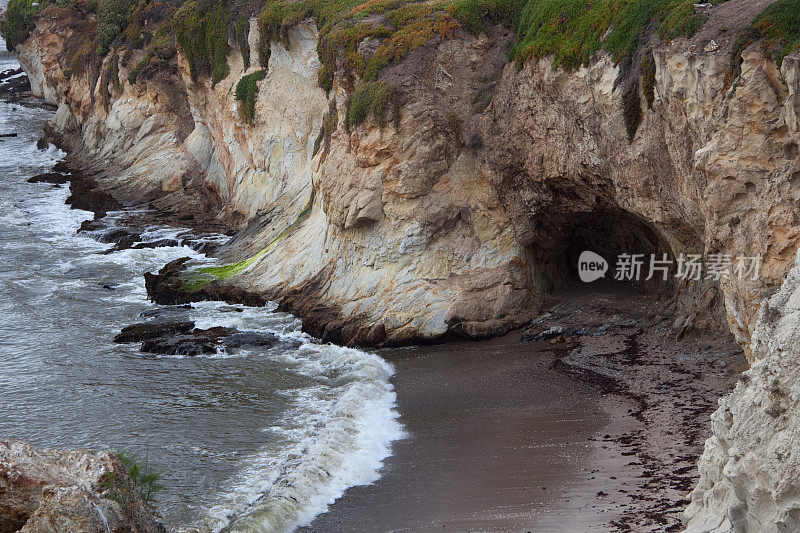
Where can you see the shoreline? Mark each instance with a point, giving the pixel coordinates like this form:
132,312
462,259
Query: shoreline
507,435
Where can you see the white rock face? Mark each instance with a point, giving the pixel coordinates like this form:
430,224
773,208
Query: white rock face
751,465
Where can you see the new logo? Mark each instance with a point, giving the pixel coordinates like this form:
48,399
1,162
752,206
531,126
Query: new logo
591,266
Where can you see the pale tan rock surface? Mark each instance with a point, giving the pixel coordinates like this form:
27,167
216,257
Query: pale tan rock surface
43,491
750,467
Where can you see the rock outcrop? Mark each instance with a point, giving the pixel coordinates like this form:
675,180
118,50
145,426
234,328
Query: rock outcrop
43,491
750,466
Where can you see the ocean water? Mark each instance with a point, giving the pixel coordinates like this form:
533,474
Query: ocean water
248,440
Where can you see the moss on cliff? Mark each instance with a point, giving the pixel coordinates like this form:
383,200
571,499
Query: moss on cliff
372,98
247,93
778,25
400,26
573,30
570,30
200,28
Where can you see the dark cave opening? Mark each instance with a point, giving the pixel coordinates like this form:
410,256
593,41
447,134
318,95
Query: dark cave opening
630,246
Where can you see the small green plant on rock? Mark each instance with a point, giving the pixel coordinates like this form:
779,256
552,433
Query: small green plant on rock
143,478
372,98
247,94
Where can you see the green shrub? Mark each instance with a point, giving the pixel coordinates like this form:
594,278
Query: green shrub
631,109
247,93
372,98
778,25
112,19
18,21
200,28
476,15
242,31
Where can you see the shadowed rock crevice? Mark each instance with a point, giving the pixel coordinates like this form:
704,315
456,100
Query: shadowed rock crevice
607,231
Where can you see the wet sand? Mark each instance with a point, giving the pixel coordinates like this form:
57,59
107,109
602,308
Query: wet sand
597,428
497,441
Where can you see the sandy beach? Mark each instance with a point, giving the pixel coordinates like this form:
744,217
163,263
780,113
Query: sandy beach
567,432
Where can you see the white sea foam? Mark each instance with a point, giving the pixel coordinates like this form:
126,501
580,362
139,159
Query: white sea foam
339,432
335,436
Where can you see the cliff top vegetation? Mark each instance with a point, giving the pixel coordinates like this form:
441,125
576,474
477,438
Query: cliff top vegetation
569,30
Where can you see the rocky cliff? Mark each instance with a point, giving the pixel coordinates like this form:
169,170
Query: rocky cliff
457,211
75,490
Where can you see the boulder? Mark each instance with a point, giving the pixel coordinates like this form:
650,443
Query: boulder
78,491
151,330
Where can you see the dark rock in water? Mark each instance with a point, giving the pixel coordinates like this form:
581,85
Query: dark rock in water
172,311
151,330
4,75
179,345
88,226
160,243
50,177
181,338
8,134
196,342
167,288
63,167
15,89
87,195
250,338
232,294
123,238
42,144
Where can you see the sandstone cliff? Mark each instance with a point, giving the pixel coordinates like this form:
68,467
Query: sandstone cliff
461,215
456,219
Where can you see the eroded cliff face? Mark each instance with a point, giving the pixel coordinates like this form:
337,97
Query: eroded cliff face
457,219
749,469
713,169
